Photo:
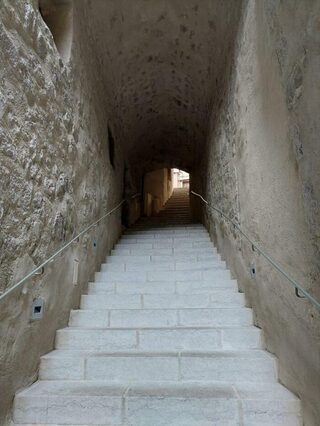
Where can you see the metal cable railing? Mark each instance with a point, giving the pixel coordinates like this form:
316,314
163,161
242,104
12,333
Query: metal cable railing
40,269
255,247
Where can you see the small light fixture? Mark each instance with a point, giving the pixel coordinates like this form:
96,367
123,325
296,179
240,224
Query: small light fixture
37,309
253,270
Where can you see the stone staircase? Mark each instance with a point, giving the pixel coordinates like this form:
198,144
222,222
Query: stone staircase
163,338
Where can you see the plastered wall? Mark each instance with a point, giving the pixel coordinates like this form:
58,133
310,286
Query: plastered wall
181,84
263,171
158,185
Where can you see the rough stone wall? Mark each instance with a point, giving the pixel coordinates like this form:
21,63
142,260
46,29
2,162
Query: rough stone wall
56,179
263,171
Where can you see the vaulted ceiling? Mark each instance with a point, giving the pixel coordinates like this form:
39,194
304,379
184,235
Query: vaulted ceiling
162,61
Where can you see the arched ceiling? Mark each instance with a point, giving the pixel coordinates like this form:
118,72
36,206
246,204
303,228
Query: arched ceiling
161,62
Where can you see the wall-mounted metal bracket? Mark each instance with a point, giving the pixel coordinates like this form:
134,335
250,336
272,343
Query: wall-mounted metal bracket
298,294
75,272
40,271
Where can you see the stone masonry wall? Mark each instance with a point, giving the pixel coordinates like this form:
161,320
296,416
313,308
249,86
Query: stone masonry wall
56,178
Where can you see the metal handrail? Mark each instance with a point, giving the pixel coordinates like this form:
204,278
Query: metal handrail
298,287
40,268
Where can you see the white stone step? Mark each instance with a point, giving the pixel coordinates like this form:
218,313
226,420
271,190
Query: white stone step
168,229
146,318
164,244
227,366
162,287
160,236
156,404
203,287
123,258
165,239
164,266
159,339
217,274
215,299
163,251
202,265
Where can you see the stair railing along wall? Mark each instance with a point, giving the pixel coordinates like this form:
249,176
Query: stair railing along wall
162,337
300,292
39,270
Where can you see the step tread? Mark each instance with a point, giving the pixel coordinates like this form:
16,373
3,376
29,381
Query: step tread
243,390
252,354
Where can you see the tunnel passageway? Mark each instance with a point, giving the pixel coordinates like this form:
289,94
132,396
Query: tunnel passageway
103,104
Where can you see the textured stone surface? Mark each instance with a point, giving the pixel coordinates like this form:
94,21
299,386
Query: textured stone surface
53,130
225,89
262,170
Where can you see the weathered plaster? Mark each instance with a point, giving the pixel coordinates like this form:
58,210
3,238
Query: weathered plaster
261,175
180,84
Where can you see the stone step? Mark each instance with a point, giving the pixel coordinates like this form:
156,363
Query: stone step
188,226
227,366
166,232
218,274
146,318
199,235
174,240
159,339
163,251
174,216
164,244
123,258
162,287
156,404
170,265
215,299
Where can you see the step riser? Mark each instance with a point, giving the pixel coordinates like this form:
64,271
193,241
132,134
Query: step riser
145,259
145,411
185,236
179,239
146,368
224,298
165,245
162,287
140,276
159,233
163,251
143,318
164,266
159,340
